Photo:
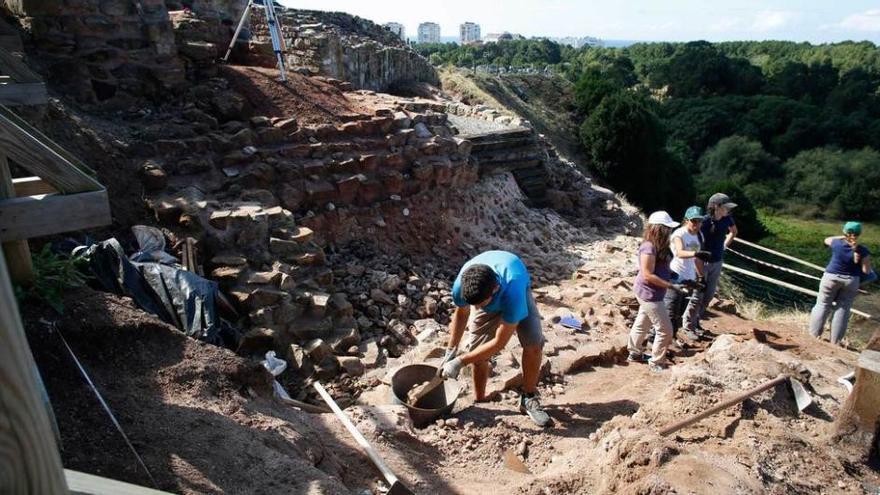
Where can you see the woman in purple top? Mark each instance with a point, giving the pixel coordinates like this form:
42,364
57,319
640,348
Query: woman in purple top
650,288
840,282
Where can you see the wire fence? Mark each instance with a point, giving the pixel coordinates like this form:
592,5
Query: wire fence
775,279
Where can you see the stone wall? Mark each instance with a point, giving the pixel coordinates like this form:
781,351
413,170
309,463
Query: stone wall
97,48
343,47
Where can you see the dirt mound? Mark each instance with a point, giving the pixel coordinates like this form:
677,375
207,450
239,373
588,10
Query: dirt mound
198,415
311,100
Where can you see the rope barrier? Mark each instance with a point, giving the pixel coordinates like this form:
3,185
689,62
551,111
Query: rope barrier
780,268
777,253
784,284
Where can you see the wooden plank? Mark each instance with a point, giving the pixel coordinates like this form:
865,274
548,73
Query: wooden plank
31,463
36,216
32,186
18,253
35,152
777,253
16,93
870,360
784,284
89,484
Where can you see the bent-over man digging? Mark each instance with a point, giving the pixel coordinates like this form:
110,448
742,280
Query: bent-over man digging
497,285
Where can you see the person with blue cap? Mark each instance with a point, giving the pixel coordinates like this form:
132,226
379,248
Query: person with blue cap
850,262
687,269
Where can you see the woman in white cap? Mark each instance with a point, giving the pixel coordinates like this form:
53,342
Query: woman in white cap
716,233
850,261
650,288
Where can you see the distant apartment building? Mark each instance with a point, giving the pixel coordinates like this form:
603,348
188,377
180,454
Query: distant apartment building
429,32
396,28
580,42
469,32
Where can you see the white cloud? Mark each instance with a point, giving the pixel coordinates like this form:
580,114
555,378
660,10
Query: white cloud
769,20
725,25
865,21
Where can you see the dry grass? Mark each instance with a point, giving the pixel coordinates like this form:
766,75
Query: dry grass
458,82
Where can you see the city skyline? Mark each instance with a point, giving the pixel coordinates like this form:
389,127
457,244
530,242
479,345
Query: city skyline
675,20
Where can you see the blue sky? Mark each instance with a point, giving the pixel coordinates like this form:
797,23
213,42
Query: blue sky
656,20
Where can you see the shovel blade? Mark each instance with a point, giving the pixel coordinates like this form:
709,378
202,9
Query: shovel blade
398,488
801,396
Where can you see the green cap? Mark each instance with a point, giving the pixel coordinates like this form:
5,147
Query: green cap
693,212
852,228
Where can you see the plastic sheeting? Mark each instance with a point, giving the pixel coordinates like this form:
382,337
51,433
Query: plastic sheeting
176,296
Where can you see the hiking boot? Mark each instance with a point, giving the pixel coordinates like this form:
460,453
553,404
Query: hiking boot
636,357
529,404
657,367
691,335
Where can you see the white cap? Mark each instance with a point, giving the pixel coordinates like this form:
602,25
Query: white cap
662,218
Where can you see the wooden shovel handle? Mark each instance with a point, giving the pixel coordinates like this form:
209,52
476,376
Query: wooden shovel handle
723,405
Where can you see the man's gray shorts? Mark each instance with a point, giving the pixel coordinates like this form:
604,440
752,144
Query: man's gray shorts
484,325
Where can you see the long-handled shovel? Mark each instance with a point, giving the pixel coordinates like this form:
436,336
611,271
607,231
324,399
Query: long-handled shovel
397,488
801,396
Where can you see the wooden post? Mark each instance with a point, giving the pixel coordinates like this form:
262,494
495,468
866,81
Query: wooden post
18,254
859,418
29,459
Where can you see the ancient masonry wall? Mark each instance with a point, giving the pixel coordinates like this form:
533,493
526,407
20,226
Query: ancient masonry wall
98,47
262,195
344,47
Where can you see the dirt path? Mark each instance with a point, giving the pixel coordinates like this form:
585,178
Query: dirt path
604,420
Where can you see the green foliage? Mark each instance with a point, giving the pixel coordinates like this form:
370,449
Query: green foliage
592,87
698,68
627,146
53,274
836,183
803,238
537,53
739,160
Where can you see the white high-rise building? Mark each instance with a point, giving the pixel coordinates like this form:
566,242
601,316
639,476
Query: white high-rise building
429,32
469,32
396,28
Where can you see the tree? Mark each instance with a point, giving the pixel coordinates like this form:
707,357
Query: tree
738,160
836,183
626,145
591,88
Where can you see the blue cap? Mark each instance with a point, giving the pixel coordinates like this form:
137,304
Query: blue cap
693,212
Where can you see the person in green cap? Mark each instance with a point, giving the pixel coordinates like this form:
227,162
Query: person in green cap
840,282
687,269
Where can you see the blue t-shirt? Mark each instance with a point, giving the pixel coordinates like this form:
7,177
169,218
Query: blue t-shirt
713,233
842,262
511,300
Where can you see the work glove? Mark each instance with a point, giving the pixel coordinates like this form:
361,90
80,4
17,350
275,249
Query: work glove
452,368
703,255
695,285
450,354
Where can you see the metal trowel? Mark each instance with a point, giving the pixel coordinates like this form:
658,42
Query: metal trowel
801,396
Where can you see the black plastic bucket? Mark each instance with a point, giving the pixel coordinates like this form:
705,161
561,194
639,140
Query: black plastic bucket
437,403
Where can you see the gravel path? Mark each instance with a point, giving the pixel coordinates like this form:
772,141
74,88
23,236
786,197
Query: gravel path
471,125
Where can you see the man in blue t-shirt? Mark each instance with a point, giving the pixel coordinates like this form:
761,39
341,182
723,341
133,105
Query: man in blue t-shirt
496,284
716,234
